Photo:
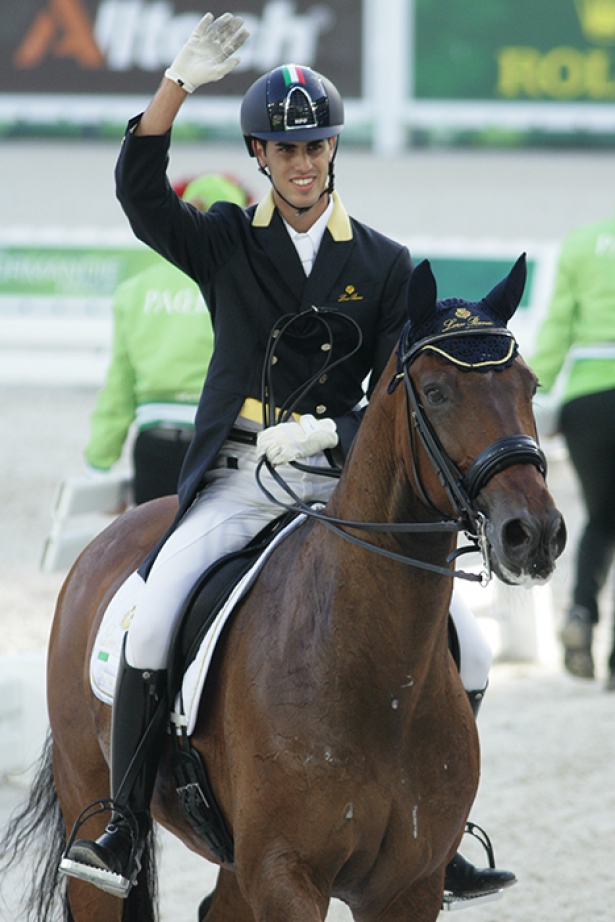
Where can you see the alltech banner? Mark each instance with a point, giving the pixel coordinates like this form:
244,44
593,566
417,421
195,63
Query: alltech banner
553,50
123,46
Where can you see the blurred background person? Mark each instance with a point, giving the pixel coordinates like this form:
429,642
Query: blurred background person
577,338
162,344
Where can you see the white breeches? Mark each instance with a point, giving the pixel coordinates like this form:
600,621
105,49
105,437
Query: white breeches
475,654
223,518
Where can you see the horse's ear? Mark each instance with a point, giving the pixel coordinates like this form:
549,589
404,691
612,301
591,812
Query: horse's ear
422,294
504,299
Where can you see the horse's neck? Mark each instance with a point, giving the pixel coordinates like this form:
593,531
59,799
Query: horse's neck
378,483
400,603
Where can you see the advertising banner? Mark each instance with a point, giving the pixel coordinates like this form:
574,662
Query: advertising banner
549,50
66,272
122,47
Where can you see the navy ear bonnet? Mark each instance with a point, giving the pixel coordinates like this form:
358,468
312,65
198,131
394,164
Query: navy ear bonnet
469,334
482,347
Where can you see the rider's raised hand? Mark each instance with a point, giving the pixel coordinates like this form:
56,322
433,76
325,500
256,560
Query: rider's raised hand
207,55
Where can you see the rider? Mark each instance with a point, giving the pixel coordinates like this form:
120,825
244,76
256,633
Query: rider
257,269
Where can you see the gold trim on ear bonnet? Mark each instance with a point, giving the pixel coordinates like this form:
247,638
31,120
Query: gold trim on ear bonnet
469,334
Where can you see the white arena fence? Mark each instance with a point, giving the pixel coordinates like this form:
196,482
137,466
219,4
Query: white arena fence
57,285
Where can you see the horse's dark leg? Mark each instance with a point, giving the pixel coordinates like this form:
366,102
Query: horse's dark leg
205,906
281,886
610,682
225,904
421,902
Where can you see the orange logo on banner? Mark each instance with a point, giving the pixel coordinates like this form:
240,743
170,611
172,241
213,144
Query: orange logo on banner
62,30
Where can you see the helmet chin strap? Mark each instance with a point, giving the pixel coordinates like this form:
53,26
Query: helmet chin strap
299,211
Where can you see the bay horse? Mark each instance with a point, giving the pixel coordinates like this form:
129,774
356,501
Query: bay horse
337,735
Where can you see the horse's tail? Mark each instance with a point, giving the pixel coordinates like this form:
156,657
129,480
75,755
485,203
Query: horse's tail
36,831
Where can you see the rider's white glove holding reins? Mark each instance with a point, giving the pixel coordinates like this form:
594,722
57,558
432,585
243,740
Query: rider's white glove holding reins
206,56
291,441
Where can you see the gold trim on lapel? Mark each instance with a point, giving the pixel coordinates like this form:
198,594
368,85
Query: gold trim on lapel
264,211
339,225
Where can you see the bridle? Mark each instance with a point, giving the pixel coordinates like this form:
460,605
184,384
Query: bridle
461,489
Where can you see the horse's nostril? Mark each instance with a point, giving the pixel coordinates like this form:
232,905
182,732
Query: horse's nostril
516,534
559,538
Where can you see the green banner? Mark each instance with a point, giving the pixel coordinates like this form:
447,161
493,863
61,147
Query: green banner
95,272
557,50
472,277
64,271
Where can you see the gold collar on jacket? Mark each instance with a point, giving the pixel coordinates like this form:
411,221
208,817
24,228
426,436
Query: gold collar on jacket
338,225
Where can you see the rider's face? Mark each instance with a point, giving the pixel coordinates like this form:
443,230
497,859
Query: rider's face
299,170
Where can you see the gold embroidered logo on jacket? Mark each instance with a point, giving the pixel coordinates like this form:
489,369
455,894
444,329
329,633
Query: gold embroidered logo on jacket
350,294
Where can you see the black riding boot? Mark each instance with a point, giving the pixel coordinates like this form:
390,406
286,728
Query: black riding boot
112,862
462,879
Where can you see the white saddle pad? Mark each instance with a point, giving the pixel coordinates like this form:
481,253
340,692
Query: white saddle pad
117,618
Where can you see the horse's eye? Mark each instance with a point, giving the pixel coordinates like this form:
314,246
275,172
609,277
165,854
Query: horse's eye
434,395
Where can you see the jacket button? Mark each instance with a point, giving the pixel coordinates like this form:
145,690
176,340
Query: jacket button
320,409
326,347
323,379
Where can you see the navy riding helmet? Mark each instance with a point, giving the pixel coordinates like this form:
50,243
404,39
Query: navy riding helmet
291,103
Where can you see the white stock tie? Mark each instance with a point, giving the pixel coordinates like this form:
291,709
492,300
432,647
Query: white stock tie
305,249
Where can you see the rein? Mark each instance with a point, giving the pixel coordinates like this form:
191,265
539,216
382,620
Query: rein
461,489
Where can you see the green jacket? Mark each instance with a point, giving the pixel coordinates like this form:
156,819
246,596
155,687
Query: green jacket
162,344
581,313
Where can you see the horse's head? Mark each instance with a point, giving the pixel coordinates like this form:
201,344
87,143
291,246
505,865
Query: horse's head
469,395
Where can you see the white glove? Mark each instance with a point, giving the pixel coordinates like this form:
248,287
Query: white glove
206,56
290,441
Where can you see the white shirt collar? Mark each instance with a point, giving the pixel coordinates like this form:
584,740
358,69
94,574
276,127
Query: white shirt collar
307,244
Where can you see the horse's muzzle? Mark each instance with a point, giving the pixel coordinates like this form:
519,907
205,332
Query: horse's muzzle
527,546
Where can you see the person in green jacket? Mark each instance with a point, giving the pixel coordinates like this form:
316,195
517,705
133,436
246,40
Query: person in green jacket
577,337
162,344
